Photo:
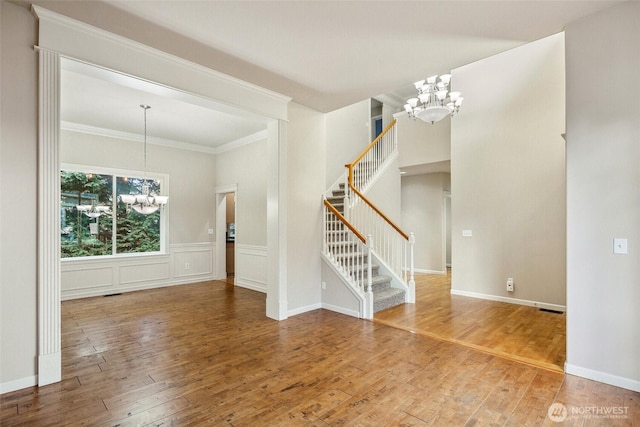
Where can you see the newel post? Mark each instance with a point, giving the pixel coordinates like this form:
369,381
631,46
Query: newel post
347,191
368,294
412,282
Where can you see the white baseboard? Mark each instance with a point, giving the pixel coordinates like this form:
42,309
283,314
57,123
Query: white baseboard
18,384
49,368
87,293
304,309
422,270
341,310
251,284
602,377
529,303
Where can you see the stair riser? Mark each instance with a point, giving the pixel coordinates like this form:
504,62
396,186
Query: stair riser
384,303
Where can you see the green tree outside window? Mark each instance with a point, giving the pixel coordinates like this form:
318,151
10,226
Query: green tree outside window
86,234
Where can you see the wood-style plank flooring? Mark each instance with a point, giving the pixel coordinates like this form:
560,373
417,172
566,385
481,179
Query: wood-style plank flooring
205,354
518,332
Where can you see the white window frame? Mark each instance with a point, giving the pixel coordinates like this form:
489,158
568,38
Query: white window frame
163,179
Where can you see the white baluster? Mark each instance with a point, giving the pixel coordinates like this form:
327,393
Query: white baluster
412,282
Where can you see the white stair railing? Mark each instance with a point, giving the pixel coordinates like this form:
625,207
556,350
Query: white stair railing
344,242
393,246
390,244
348,250
374,157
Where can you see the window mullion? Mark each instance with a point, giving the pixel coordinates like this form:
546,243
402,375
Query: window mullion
114,210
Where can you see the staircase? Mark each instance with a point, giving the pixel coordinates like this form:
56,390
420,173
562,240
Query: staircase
372,256
384,296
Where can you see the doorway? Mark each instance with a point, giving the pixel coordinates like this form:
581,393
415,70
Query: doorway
447,230
230,200
226,226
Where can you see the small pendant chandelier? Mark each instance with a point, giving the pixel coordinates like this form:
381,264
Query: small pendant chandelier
94,210
147,202
434,101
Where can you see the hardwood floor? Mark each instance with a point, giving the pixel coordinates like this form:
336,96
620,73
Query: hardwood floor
514,331
205,354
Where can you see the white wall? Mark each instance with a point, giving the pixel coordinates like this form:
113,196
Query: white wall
508,175
18,187
603,196
348,133
420,142
385,193
247,167
306,184
423,214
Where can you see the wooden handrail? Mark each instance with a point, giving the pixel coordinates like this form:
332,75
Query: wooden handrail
373,144
372,206
350,166
344,221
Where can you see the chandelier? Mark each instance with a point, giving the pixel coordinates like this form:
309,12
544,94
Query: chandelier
93,210
434,101
147,202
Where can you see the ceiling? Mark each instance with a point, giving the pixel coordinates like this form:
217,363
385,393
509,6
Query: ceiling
323,54
96,100
329,54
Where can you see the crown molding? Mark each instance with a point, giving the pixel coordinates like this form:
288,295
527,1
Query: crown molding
127,136
241,142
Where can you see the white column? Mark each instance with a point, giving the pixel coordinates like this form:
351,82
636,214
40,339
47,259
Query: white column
277,221
49,347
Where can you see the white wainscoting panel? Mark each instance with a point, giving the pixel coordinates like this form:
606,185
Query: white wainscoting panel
83,278
194,259
143,271
77,278
251,267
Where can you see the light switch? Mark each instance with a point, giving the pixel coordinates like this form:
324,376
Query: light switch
210,231
620,246
467,233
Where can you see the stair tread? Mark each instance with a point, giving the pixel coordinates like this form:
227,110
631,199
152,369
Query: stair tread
385,293
387,298
380,278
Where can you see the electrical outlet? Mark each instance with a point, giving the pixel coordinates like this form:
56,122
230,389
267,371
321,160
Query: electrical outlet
510,284
324,285
187,266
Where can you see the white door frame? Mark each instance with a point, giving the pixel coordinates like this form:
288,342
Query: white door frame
221,228
446,195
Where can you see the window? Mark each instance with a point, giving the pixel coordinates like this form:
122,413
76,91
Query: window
88,224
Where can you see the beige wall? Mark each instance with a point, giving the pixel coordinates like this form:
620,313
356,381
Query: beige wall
306,153
18,196
384,193
508,175
603,196
247,167
423,214
421,142
348,133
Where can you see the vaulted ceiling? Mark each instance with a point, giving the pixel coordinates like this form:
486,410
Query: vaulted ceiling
329,54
